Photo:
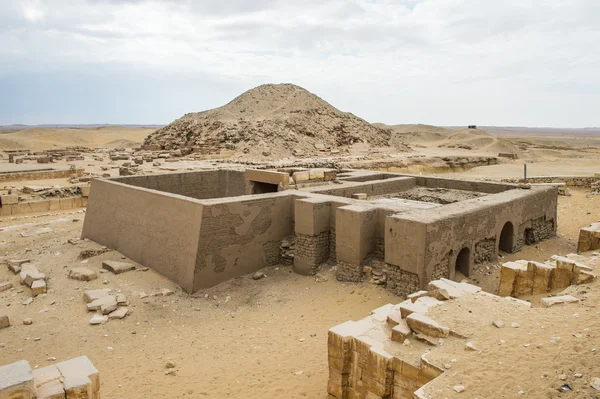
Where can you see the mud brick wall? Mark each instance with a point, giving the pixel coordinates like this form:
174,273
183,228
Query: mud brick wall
348,272
379,251
570,181
240,235
313,249
401,282
541,229
442,269
485,251
40,175
273,253
332,247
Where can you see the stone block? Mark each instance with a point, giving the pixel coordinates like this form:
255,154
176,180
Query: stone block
117,267
8,199
427,326
29,274
92,295
5,286
4,321
558,300
268,176
301,176
74,369
16,381
98,318
82,274
51,390
38,287
524,280
407,308
401,331
508,277
104,304
542,276
316,174
360,196
46,374
119,313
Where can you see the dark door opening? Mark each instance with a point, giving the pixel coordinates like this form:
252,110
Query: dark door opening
462,261
506,238
262,188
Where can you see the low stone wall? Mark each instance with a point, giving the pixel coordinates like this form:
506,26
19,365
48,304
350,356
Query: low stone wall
41,174
589,238
40,206
72,379
570,181
531,278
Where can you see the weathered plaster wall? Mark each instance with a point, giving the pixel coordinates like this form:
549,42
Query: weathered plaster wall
468,185
156,229
240,235
200,185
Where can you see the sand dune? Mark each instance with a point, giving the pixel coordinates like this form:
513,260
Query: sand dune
39,139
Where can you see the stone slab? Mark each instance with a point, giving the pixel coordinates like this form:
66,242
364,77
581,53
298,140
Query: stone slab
117,267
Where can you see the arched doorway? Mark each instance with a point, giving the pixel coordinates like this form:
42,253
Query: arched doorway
506,238
462,261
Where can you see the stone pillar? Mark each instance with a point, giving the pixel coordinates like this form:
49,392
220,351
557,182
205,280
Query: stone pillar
312,226
355,239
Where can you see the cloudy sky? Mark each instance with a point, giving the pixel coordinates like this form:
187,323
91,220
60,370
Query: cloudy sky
444,62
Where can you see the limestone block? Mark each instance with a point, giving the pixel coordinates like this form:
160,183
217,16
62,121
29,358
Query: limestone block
508,277
38,287
394,318
9,199
427,326
401,331
542,276
117,267
407,308
119,313
51,390
449,289
5,286
121,300
360,196
29,273
316,174
46,374
82,274
558,300
416,295
564,274
524,280
79,367
4,321
98,318
301,176
77,386
585,277
589,238
105,305
92,295
16,381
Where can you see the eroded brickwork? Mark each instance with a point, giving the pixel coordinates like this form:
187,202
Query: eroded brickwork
273,253
313,249
379,252
541,229
485,251
348,272
401,282
442,269
332,246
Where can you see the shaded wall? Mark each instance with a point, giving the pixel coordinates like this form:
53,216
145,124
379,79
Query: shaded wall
204,184
156,229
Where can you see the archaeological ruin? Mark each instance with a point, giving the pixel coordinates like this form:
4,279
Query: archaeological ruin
205,227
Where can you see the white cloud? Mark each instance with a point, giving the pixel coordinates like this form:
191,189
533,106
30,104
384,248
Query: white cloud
430,61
